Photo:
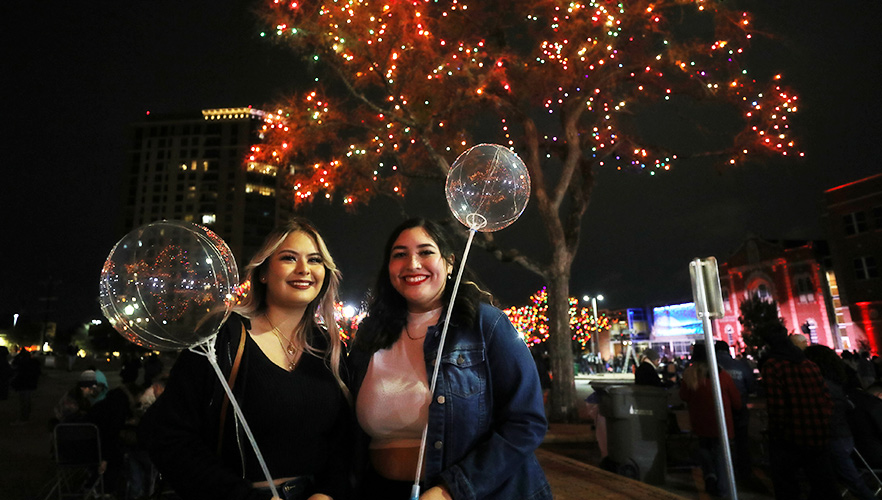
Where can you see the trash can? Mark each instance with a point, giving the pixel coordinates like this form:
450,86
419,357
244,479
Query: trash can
637,421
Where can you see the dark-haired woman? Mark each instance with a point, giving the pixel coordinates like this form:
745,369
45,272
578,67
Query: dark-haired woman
486,416
286,368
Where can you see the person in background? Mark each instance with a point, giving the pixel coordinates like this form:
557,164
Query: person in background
799,409
70,353
5,373
697,391
647,372
26,375
841,441
74,405
544,371
486,417
670,375
140,473
865,423
113,414
148,397
800,341
866,371
152,368
283,351
131,368
745,382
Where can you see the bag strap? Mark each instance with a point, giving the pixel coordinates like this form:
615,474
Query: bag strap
231,381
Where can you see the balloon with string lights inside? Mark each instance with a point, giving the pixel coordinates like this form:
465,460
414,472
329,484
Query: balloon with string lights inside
171,285
487,189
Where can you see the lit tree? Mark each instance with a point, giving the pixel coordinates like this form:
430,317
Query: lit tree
532,320
412,84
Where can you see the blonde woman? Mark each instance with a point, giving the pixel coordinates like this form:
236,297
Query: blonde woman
282,352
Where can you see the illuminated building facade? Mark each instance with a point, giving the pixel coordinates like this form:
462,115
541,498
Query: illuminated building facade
191,167
853,221
792,274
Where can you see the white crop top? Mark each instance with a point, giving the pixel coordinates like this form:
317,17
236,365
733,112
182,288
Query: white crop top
393,402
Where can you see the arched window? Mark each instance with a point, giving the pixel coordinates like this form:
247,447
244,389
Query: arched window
805,288
762,291
727,308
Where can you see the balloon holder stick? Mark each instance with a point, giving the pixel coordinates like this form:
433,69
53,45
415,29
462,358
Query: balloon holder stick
207,349
415,491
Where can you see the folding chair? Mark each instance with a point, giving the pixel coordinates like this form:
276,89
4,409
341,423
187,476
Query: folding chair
77,460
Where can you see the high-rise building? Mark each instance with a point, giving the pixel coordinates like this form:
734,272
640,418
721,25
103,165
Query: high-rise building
854,230
191,167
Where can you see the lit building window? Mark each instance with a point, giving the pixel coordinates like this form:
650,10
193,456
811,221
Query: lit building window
761,291
208,219
831,283
805,289
262,168
259,189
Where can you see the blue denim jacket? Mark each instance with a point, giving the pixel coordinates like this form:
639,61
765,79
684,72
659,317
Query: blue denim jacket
486,417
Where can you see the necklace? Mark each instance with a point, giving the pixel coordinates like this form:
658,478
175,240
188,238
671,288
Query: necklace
290,351
407,332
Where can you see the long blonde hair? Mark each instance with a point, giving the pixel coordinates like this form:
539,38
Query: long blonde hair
319,312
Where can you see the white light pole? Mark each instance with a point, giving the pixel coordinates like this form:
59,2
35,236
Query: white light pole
594,300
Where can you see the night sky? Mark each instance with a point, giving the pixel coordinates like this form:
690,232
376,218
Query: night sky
78,72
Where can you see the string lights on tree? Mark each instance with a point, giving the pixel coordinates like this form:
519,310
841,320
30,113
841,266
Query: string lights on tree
404,87
532,322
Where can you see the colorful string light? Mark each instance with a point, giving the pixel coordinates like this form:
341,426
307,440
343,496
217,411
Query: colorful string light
420,76
532,320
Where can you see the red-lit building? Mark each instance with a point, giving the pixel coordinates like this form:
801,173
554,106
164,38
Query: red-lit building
792,274
853,221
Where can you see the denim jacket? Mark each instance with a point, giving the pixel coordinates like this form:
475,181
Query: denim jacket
486,417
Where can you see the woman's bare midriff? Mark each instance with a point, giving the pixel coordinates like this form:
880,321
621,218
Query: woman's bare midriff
399,464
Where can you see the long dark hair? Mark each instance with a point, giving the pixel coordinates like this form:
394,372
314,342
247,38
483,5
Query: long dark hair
387,309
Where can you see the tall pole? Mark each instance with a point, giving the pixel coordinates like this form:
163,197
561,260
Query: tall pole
594,344
702,291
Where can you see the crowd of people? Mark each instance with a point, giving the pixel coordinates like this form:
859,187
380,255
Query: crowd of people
116,412
822,413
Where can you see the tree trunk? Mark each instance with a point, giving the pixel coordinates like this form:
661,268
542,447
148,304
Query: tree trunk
563,405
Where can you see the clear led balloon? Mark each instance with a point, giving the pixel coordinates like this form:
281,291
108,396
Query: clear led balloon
488,187
168,285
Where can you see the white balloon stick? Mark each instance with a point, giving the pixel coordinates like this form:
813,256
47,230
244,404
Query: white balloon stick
415,490
207,350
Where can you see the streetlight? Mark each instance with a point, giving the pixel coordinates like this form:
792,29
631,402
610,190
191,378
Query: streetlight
594,300
348,311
